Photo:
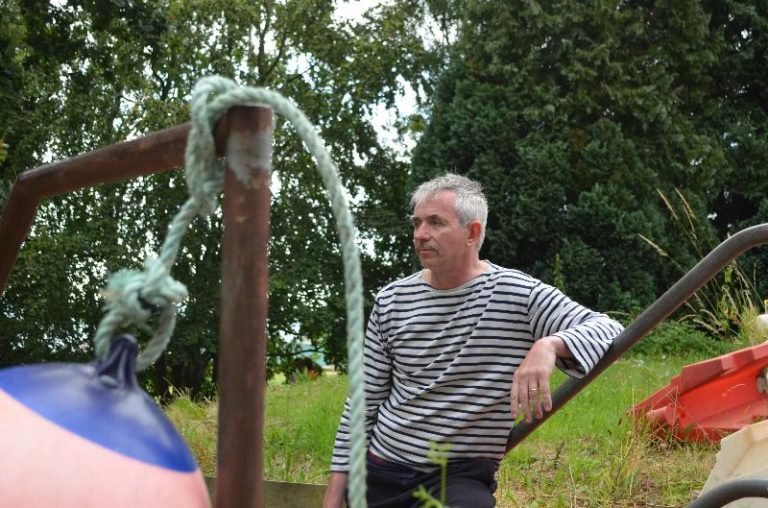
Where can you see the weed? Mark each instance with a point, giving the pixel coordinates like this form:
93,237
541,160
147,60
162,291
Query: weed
725,303
438,455
197,423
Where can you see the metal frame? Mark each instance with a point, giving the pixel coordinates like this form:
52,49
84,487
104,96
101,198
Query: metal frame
244,136
155,153
731,491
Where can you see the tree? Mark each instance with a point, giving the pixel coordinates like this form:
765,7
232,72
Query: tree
740,117
581,117
98,72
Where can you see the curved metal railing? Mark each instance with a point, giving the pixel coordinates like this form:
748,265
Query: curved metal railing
731,491
669,302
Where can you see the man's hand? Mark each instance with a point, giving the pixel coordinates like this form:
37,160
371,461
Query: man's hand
334,494
530,384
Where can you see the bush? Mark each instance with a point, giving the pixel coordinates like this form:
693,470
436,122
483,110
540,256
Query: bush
681,339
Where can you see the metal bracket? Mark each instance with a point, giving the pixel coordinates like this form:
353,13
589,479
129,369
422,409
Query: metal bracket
762,381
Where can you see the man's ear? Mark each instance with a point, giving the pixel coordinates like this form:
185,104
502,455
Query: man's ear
475,230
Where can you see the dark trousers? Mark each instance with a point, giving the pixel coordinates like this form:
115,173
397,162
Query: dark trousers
470,484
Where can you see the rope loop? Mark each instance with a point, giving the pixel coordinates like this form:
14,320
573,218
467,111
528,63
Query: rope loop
132,296
204,173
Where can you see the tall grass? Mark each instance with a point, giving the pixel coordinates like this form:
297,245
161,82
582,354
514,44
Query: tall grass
300,422
592,454
588,454
731,299
300,426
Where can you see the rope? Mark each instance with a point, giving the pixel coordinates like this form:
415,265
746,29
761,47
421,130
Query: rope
132,296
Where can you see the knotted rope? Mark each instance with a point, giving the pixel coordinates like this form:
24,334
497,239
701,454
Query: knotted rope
132,296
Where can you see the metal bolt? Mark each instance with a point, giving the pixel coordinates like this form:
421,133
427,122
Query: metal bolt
762,381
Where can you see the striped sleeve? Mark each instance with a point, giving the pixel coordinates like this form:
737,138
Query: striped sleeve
377,379
586,333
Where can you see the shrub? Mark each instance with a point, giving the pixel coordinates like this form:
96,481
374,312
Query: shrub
680,339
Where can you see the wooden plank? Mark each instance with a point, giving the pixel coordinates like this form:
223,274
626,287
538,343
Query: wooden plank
284,494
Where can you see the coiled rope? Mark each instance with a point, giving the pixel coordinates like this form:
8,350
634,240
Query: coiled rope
133,296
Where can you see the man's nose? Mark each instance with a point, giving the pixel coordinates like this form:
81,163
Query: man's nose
420,232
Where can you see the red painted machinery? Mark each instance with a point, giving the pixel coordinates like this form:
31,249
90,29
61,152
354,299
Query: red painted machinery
712,398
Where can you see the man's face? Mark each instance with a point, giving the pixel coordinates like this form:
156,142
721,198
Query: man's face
438,236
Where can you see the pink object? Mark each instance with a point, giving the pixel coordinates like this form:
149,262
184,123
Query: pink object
45,466
87,435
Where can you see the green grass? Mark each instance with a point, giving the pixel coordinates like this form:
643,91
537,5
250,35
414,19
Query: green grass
588,454
299,430
301,422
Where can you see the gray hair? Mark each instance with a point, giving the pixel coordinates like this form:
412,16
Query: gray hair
470,201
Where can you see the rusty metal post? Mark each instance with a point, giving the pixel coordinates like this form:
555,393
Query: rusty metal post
243,328
15,223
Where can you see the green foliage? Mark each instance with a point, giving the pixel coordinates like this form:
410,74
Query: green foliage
559,276
753,328
574,113
194,421
427,499
735,302
301,423
727,302
438,455
680,339
80,75
299,428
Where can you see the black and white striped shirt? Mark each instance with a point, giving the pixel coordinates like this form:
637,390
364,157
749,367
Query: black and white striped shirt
439,363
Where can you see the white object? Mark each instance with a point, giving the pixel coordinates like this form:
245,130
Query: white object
743,453
761,324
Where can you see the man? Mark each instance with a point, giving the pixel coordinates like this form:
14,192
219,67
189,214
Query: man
454,353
